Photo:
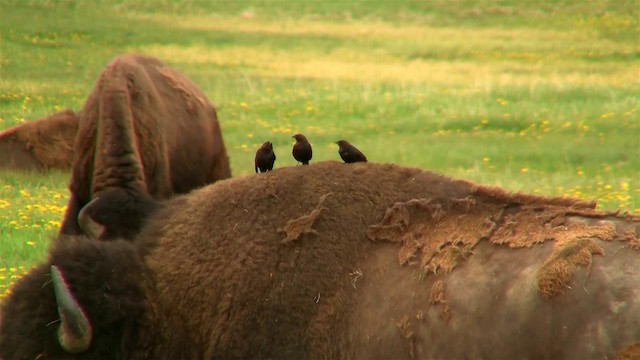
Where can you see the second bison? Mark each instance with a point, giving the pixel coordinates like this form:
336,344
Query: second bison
145,132
42,144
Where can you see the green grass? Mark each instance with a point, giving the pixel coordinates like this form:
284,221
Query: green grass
535,96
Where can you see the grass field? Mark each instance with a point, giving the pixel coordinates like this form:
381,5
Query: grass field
534,96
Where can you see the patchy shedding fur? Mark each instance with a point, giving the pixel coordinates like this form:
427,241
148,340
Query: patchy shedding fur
209,276
631,352
536,223
426,227
555,275
404,325
437,297
147,132
43,144
431,236
295,228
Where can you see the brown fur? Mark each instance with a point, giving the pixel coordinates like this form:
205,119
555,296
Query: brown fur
42,144
437,297
556,274
632,352
297,227
146,129
222,284
404,325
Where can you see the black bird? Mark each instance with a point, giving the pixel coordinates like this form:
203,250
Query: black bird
302,149
349,153
265,157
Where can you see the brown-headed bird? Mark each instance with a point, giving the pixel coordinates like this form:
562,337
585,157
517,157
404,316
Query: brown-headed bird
349,153
302,149
265,157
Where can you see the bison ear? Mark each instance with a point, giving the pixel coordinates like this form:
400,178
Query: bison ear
87,224
74,332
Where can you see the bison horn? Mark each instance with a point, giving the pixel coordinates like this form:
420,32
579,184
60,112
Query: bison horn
87,224
74,332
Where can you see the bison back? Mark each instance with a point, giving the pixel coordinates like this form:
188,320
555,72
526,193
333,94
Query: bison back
147,130
492,307
43,144
379,261
177,134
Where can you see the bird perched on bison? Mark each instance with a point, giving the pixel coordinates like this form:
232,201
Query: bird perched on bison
146,132
265,157
350,153
385,262
302,149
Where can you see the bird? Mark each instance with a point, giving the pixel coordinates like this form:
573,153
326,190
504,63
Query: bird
265,157
350,153
302,149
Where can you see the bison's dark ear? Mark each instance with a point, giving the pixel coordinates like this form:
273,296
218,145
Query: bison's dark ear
87,224
74,332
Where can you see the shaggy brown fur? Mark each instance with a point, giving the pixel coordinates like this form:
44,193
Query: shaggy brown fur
556,274
631,352
218,281
437,296
148,131
297,227
43,144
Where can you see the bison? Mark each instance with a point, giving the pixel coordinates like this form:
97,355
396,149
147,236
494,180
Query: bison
369,261
40,145
145,132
